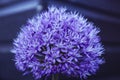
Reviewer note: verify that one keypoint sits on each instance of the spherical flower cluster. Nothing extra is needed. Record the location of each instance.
(58, 41)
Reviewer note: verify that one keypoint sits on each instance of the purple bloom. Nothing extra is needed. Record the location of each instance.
(57, 41)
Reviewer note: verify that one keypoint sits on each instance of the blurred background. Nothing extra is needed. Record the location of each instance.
(105, 14)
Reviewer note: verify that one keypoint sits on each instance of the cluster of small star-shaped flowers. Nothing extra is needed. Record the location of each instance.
(57, 41)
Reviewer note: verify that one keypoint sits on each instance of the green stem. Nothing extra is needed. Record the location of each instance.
(55, 77)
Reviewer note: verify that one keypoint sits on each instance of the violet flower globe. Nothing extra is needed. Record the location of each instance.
(58, 41)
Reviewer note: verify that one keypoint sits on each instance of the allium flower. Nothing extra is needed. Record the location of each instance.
(58, 41)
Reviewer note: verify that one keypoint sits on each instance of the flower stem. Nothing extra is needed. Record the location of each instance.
(55, 77)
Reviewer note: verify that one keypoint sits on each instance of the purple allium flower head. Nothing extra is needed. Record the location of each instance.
(57, 41)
